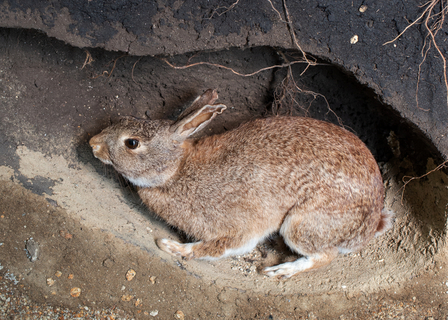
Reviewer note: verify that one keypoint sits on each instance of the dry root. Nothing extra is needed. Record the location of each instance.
(219, 11)
(189, 65)
(286, 93)
(433, 18)
(88, 60)
(407, 179)
(108, 73)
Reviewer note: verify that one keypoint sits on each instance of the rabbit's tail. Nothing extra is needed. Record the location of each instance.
(387, 219)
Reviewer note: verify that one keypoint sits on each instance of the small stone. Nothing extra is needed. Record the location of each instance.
(354, 39)
(152, 279)
(50, 282)
(363, 8)
(130, 274)
(154, 313)
(179, 315)
(58, 274)
(138, 302)
(70, 276)
(127, 297)
(75, 292)
(32, 249)
(65, 234)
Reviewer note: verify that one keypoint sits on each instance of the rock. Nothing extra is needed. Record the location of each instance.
(32, 249)
(130, 274)
(65, 234)
(127, 297)
(75, 292)
(50, 282)
(138, 302)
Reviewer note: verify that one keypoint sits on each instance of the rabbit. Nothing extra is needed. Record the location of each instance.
(314, 182)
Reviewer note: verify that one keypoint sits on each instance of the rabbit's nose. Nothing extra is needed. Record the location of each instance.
(95, 147)
(95, 143)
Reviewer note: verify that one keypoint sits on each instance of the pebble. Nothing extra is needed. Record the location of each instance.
(65, 234)
(152, 279)
(127, 297)
(179, 315)
(154, 313)
(354, 39)
(363, 8)
(32, 249)
(130, 274)
(58, 274)
(50, 282)
(75, 292)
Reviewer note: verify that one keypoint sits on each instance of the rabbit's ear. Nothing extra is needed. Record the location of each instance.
(197, 120)
(208, 97)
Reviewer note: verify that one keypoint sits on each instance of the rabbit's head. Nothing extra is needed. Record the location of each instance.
(148, 152)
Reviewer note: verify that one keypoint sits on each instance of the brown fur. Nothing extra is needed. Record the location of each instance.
(314, 181)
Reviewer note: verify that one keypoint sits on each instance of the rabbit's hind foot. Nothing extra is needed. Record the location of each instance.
(314, 261)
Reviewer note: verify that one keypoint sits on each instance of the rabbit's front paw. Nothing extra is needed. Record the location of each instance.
(175, 248)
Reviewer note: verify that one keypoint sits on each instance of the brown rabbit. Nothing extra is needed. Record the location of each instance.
(313, 181)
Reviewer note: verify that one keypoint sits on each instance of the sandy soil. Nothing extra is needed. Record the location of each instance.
(91, 228)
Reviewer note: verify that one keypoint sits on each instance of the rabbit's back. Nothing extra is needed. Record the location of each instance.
(284, 154)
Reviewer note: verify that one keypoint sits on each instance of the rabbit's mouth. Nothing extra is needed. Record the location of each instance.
(105, 161)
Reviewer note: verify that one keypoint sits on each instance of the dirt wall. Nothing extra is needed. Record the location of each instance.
(324, 29)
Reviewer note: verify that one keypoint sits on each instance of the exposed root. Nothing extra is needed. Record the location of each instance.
(408, 179)
(88, 60)
(226, 9)
(285, 94)
(230, 69)
(133, 67)
(109, 73)
(433, 22)
(294, 38)
(278, 12)
(289, 88)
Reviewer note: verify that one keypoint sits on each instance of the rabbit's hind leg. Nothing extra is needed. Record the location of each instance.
(304, 233)
(213, 249)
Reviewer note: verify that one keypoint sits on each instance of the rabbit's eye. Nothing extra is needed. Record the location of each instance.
(131, 143)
